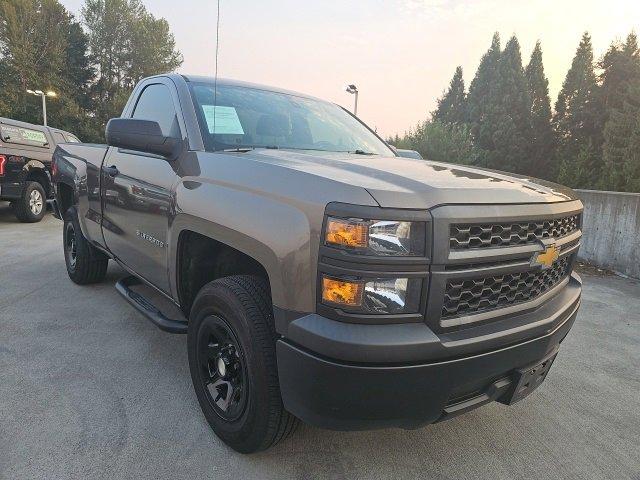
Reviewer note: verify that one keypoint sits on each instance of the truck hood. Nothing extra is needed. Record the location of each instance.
(397, 182)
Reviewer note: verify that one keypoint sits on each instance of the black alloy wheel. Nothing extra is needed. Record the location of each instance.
(70, 245)
(223, 369)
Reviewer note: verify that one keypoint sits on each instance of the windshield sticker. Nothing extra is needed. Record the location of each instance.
(222, 120)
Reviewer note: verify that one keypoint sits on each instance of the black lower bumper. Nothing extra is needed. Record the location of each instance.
(356, 396)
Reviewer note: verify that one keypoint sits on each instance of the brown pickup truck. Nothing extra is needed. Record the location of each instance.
(321, 277)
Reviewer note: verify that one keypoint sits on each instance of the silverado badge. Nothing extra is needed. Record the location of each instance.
(545, 259)
(150, 239)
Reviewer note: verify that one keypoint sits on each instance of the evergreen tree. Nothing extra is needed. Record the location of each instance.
(513, 129)
(622, 143)
(510, 125)
(619, 66)
(543, 142)
(452, 106)
(632, 163)
(483, 103)
(80, 72)
(620, 79)
(499, 109)
(578, 121)
(577, 171)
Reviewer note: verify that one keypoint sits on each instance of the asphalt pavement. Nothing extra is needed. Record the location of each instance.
(90, 389)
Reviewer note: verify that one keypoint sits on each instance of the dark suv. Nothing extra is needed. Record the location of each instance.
(25, 159)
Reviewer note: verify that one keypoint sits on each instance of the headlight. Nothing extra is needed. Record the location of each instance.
(372, 296)
(376, 237)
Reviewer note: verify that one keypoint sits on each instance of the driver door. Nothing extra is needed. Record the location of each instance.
(137, 191)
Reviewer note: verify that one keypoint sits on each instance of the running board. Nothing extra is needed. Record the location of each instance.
(145, 307)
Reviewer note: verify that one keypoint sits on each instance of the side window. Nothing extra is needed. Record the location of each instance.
(23, 136)
(72, 138)
(155, 103)
(58, 137)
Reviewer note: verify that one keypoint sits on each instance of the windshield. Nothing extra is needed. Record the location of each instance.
(252, 118)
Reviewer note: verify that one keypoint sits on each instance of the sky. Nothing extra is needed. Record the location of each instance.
(401, 54)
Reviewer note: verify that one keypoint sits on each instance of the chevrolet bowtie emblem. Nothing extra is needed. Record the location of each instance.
(545, 259)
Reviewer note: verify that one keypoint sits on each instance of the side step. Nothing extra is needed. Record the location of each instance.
(145, 307)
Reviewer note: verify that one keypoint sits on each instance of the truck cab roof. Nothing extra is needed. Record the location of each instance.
(240, 83)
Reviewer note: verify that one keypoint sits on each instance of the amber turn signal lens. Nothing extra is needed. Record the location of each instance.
(346, 233)
(342, 292)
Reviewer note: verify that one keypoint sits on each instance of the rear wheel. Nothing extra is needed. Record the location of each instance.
(32, 205)
(85, 263)
(232, 359)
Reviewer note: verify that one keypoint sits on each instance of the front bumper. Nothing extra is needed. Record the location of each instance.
(379, 381)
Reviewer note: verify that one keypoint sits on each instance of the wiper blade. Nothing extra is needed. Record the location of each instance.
(248, 148)
(361, 152)
(237, 150)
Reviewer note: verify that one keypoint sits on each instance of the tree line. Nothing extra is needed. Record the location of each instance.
(504, 121)
(92, 63)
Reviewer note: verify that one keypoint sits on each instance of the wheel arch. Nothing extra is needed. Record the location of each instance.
(198, 256)
(70, 179)
(35, 171)
(65, 197)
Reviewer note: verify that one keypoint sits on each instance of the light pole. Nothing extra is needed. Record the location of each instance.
(353, 90)
(40, 93)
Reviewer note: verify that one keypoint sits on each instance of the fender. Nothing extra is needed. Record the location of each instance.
(36, 165)
(274, 233)
(271, 214)
(72, 171)
(31, 164)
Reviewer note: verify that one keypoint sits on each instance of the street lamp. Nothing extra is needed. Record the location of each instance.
(40, 93)
(353, 90)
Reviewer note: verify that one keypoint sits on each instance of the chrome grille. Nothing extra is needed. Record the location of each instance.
(486, 235)
(469, 296)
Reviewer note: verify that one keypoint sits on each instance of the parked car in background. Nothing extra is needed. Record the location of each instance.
(401, 152)
(321, 277)
(25, 160)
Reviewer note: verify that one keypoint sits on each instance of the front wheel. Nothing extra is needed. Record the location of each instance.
(85, 263)
(232, 359)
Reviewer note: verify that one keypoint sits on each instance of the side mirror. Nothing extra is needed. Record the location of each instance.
(142, 136)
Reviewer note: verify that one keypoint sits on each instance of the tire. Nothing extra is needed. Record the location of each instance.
(31, 207)
(85, 263)
(231, 322)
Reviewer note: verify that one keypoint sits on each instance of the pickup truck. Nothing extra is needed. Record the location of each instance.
(320, 276)
(25, 158)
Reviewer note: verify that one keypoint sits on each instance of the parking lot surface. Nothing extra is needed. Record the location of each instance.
(90, 389)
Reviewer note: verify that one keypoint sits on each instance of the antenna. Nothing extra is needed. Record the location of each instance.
(215, 78)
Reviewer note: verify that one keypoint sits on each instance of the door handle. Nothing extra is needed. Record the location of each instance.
(112, 171)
